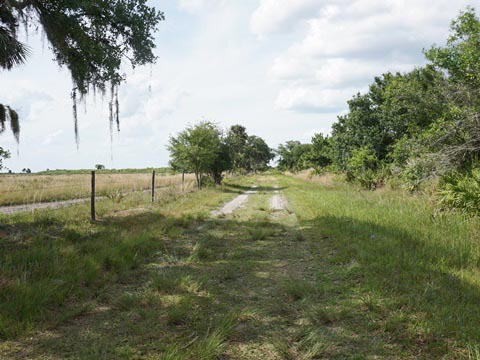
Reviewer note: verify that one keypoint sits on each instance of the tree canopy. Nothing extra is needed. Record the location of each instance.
(411, 126)
(205, 149)
(90, 38)
(199, 149)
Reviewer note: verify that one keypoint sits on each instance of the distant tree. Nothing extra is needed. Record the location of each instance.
(26, 171)
(236, 141)
(200, 149)
(257, 154)
(90, 38)
(321, 153)
(3, 155)
(292, 155)
(99, 167)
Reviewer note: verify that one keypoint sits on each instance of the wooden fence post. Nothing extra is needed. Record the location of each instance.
(183, 181)
(92, 200)
(153, 186)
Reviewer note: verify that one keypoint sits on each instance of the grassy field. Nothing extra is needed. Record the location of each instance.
(340, 273)
(28, 189)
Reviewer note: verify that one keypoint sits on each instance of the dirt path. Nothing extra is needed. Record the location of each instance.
(8, 210)
(234, 205)
(278, 203)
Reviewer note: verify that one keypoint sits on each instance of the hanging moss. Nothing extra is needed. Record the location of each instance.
(117, 109)
(14, 124)
(75, 116)
(3, 118)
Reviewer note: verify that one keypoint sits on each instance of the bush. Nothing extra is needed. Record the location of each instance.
(362, 168)
(461, 191)
(416, 172)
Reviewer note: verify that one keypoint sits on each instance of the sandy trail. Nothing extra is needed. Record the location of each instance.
(278, 203)
(235, 204)
(7, 210)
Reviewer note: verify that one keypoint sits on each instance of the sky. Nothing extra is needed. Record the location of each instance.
(284, 69)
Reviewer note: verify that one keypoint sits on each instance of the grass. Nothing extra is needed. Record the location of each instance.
(342, 274)
(28, 189)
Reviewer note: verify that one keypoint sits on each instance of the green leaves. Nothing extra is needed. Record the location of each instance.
(460, 57)
(90, 38)
(199, 149)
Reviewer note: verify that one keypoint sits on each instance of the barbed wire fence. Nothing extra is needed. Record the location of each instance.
(87, 187)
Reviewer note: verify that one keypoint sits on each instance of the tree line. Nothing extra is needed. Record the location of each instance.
(411, 127)
(208, 151)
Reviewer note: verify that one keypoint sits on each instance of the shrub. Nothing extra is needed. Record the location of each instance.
(461, 191)
(362, 168)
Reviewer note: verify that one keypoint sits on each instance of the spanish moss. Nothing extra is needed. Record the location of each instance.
(117, 109)
(3, 118)
(14, 124)
(75, 117)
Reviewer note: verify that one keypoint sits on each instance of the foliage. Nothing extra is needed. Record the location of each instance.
(248, 153)
(292, 155)
(200, 149)
(460, 55)
(100, 167)
(257, 154)
(236, 141)
(362, 167)
(4, 154)
(461, 191)
(90, 38)
(295, 156)
(418, 125)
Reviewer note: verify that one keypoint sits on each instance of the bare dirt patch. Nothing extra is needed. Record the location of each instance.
(278, 203)
(7, 210)
(231, 206)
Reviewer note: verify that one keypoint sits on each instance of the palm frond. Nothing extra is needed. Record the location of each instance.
(12, 51)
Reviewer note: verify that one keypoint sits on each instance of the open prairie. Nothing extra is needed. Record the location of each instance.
(31, 188)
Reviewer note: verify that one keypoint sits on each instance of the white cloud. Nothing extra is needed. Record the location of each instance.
(313, 99)
(281, 15)
(198, 5)
(346, 43)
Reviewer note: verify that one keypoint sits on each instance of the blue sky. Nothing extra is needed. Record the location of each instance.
(282, 68)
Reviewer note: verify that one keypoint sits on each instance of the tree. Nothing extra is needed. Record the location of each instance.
(100, 167)
(292, 154)
(200, 149)
(236, 141)
(321, 154)
(3, 155)
(257, 154)
(458, 136)
(460, 56)
(90, 38)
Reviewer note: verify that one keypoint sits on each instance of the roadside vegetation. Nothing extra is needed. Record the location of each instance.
(410, 129)
(338, 273)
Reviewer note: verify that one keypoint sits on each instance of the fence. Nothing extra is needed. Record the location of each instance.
(32, 190)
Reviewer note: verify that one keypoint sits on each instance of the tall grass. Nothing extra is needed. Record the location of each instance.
(26, 189)
(402, 259)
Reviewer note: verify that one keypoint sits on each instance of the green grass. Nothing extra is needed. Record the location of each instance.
(342, 274)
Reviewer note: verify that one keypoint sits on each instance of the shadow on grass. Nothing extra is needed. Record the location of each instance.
(195, 279)
(413, 276)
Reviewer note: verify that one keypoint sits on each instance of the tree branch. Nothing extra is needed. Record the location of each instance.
(17, 4)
